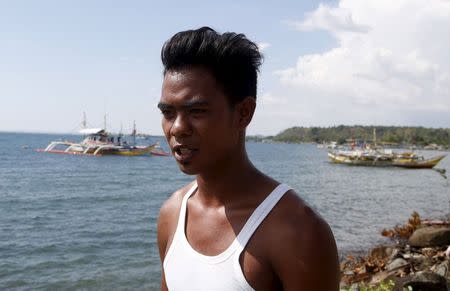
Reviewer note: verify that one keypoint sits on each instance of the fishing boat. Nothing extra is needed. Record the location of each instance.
(376, 156)
(381, 158)
(418, 162)
(361, 158)
(130, 150)
(98, 142)
(158, 151)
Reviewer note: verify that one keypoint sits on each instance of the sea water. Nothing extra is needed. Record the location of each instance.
(84, 222)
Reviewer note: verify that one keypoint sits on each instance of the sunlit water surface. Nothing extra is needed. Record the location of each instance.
(80, 222)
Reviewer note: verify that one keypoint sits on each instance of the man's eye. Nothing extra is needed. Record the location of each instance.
(168, 114)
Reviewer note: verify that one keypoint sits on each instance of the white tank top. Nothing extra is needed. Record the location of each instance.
(187, 269)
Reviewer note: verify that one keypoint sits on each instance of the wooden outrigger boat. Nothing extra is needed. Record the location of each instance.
(125, 150)
(379, 157)
(418, 163)
(98, 142)
(383, 159)
(360, 158)
(108, 150)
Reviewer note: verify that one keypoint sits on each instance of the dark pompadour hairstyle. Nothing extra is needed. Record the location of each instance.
(232, 59)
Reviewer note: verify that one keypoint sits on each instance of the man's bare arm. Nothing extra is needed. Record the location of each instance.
(167, 224)
(163, 228)
(306, 258)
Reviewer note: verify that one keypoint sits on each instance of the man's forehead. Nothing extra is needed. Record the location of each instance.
(183, 85)
(176, 75)
(190, 86)
(191, 74)
(182, 94)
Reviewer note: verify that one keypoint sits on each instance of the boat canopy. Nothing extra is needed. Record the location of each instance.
(92, 131)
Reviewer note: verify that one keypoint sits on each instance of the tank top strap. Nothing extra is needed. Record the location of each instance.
(259, 214)
(182, 216)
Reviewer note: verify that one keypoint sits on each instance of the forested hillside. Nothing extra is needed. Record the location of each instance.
(403, 135)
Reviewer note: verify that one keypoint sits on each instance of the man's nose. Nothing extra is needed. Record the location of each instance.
(181, 126)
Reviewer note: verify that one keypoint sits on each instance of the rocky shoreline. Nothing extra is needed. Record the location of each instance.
(418, 259)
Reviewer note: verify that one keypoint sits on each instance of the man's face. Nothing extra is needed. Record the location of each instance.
(199, 125)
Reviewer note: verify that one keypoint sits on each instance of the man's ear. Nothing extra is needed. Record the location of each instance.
(245, 110)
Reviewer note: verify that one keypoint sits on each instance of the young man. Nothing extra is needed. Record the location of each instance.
(233, 228)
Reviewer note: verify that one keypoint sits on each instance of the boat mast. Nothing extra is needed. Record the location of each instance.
(133, 133)
(353, 144)
(83, 123)
(104, 122)
(375, 137)
(119, 137)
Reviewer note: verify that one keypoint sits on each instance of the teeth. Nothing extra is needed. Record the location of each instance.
(185, 151)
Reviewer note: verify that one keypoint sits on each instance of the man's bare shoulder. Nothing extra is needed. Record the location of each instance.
(171, 207)
(302, 246)
(295, 220)
(297, 216)
(168, 218)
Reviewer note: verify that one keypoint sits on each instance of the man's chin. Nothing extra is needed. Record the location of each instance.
(188, 169)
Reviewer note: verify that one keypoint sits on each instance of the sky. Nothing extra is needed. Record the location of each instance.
(326, 63)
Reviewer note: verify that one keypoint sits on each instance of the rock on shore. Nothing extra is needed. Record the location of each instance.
(430, 236)
(418, 261)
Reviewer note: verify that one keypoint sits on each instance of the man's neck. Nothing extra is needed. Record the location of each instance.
(226, 186)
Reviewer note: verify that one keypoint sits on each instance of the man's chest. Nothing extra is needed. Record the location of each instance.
(212, 233)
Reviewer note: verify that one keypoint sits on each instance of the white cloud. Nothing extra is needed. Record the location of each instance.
(329, 18)
(263, 46)
(391, 64)
(269, 99)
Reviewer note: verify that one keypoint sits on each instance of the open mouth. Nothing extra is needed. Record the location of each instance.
(183, 154)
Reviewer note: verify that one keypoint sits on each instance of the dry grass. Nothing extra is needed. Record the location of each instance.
(403, 231)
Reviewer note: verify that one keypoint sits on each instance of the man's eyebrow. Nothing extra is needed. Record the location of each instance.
(185, 105)
(194, 103)
(163, 106)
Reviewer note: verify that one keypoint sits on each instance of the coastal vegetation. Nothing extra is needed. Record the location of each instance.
(419, 136)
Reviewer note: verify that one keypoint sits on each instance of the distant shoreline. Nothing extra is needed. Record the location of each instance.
(389, 136)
